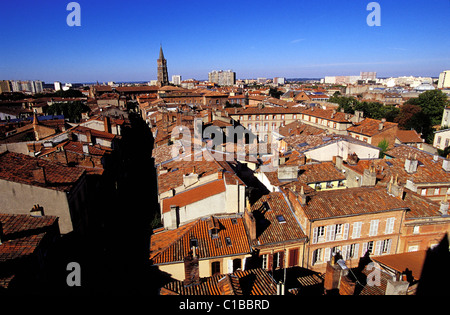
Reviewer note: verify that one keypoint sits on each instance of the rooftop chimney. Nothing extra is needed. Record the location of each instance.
(411, 164)
(338, 162)
(394, 188)
(250, 223)
(107, 123)
(395, 287)
(288, 172)
(85, 148)
(446, 165)
(369, 178)
(302, 196)
(191, 269)
(39, 175)
(37, 211)
(444, 206)
(89, 136)
(173, 217)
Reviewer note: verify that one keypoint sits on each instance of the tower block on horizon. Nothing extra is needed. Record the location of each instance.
(163, 77)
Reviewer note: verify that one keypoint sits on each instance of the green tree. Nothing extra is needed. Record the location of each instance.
(71, 110)
(274, 92)
(383, 145)
(432, 104)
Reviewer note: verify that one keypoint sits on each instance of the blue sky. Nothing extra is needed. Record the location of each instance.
(119, 40)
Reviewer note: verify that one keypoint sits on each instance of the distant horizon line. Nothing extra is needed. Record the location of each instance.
(206, 80)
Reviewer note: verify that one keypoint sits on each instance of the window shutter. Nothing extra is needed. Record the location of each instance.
(356, 229)
(345, 232)
(345, 250)
(356, 252)
(388, 250)
(330, 233)
(281, 259)
(327, 254)
(269, 262)
(315, 236)
(390, 225)
(364, 249)
(230, 266)
(378, 247)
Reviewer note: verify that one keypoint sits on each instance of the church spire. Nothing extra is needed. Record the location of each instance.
(163, 77)
(161, 54)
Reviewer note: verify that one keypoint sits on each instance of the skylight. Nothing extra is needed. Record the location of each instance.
(281, 219)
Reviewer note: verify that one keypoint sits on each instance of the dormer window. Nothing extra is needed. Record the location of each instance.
(193, 242)
(213, 227)
(281, 219)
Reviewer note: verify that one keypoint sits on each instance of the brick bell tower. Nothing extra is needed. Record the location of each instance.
(163, 78)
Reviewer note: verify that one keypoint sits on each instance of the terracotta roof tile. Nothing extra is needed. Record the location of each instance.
(349, 202)
(275, 221)
(173, 246)
(409, 136)
(193, 195)
(370, 127)
(20, 168)
(241, 282)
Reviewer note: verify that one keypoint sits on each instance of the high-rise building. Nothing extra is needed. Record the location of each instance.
(5, 86)
(176, 79)
(27, 86)
(279, 81)
(163, 77)
(57, 85)
(444, 80)
(222, 78)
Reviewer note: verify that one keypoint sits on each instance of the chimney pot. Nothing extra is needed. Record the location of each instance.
(39, 175)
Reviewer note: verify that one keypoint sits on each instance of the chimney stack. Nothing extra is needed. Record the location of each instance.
(444, 206)
(37, 211)
(446, 165)
(107, 123)
(395, 287)
(250, 223)
(302, 196)
(39, 175)
(411, 164)
(85, 148)
(89, 137)
(369, 178)
(191, 269)
(173, 217)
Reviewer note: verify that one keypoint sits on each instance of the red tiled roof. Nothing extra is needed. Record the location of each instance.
(400, 262)
(350, 201)
(174, 246)
(95, 133)
(328, 114)
(428, 172)
(19, 168)
(22, 234)
(242, 282)
(267, 209)
(370, 127)
(321, 172)
(409, 136)
(193, 195)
